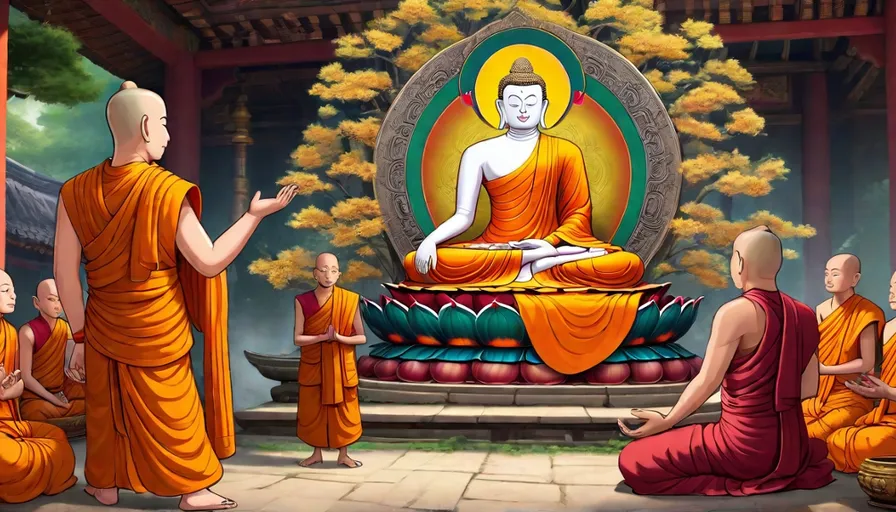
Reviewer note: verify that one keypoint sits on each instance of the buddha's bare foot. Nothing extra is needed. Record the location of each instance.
(525, 273)
(205, 500)
(349, 462)
(108, 496)
(570, 249)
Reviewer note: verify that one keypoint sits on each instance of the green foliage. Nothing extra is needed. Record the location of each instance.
(455, 444)
(44, 62)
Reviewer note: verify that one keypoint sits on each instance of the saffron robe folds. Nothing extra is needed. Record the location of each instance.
(48, 368)
(760, 444)
(145, 420)
(329, 414)
(35, 458)
(548, 198)
(872, 435)
(836, 406)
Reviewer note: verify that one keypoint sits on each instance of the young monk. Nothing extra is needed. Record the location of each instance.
(874, 434)
(328, 326)
(850, 327)
(51, 391)
(762, 352)
(35, 458)
(152, 275)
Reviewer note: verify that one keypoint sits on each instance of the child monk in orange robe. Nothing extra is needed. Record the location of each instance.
(328, 326)
(850, 327)
(35, 458)
(51, 390)
(874, 434)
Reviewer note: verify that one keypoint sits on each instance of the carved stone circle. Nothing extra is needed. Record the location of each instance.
(601, 63)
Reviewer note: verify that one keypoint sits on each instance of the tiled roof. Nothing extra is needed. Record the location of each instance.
(30, 206)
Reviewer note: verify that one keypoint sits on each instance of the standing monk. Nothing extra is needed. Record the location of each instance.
(762, 352)
(328, 326)
(151, 271)
(850, 327)
(51, 390)
(874, 434)
(35, 458)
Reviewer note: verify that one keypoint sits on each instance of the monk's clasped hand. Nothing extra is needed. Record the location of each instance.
(871, 387)
(654, 423)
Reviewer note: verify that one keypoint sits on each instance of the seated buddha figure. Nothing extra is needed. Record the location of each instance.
(539, 234)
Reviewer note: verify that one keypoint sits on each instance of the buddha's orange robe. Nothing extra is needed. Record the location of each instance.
(47, 367)
(874, 434)
(836, 406)
(146, 428)
(548, 198)
(35, 458)
(329, 413)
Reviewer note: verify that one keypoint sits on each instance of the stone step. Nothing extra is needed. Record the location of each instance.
(573, 423)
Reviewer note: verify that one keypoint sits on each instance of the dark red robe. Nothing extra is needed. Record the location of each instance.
(760, 444)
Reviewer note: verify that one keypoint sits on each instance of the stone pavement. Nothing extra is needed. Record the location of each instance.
(463, 481)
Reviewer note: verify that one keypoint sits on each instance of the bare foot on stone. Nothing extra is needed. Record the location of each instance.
(310, 461)
(106, 497)
(205, 500)
(348, 462)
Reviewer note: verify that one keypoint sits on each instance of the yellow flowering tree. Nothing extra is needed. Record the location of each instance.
(335, 160)
(703, 92)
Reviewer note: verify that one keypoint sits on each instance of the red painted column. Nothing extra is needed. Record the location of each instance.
(890, 73)
(816, 177)
(183, 86)
(4, 66)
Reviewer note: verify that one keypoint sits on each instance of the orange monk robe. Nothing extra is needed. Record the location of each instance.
(145, 420)
(836, 406)
(35, 458)
(548, 198)
(329, 413)
(874, 434)
(47, 367)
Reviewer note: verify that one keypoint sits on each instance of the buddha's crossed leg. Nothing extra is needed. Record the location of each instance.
(541, 259)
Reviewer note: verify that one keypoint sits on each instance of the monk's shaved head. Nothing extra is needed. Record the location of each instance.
(137, 119)
(760, 253)
(326, 269)
(847, 263)
(46, 299)
(326, 259)
(46, 288)
(842, 273)
(7, 294)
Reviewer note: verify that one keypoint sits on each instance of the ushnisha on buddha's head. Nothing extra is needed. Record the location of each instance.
(756, 258)
(7, 294)
(138, 121)
(843, 272)
(522, 97)
(326, 270)
(46, 299)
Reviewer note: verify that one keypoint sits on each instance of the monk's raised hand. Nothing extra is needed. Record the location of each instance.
(76, 363)
(871, 387)
(654, 423)
(263, 207)
(331, 333)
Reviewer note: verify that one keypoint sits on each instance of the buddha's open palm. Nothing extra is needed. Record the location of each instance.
(426, 258)
(264, 207)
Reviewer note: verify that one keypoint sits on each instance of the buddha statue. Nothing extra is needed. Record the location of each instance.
(539, 234)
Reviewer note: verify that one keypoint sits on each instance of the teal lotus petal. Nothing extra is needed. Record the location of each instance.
(687, 317)
(532, 357)
(663, 352)
(617, 357)
(667, 323)
(502, 355)
(425, 323)
(457, 321)
(423, 353)
(645, 322)
(460, 354)
(389, 350)
(681, 351)
(375, 319)
(397, 315)
(500, 323)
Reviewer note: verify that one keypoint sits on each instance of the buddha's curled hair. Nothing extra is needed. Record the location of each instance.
(522, 74)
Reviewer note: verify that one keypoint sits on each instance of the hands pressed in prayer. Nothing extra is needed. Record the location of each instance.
(654, 423)
(264, 207)
(872, 387)
(331, 333)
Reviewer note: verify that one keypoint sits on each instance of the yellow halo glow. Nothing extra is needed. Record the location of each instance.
(544, 63)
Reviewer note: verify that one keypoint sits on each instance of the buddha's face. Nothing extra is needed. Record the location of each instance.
(522, 107)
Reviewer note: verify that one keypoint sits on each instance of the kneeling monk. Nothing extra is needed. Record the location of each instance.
(328, 326)
(874, 434)
(35, 458)
(762, 352)
(51, 391)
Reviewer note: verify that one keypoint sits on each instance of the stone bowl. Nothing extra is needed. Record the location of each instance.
(279, 367)
(877, 478)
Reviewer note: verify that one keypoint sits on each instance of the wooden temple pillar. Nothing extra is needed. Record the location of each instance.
(241, 141)
(183, 86)
(890, 75)
(816, 181)
(4, 67)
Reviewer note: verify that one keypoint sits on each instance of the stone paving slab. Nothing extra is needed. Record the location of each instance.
(405, 481)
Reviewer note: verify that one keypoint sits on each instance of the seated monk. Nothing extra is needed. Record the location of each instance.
(874, 434)
(51, 390)
(539, 234)
(35, 458)
(762, 352)
(850, 328)
(328, 326)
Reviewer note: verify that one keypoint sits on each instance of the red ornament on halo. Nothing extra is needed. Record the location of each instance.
(578, 97)
(467, 98)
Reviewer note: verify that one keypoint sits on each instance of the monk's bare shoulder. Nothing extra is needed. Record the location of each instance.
(889, 330)
(739, 316)
(823, 310)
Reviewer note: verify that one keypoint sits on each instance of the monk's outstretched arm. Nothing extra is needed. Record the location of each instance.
(67, 269)
(865, 361)
(301, 339)
(809, 382)
(26, 354)
(733, 320)
(210, 259)
(359, 338)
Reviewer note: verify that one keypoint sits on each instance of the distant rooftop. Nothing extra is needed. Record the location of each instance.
(30, 207)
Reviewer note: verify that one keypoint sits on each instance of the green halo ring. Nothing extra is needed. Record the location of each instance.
(530, 36)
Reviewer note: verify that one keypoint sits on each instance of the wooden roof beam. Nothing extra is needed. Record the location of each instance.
(808, 29)
(267, 55)
(149, 27)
